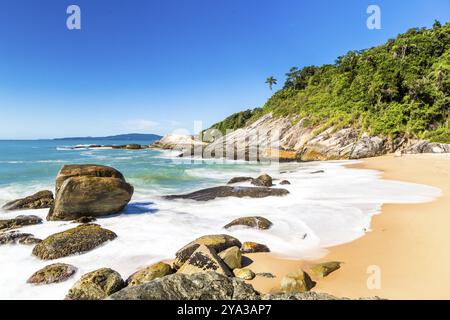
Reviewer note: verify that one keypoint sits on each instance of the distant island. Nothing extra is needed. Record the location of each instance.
(121, 137)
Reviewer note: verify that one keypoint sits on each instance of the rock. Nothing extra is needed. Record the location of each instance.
(19, 221)
(322, 270)
(199, 286)
(15, 237)
(73, 241)
(40, 200)
(240, 179)
(301, 296)
(204, 259)
(149, 273)
(318, 171)
(84, 220)
(53, 273)
(284, 183)
(232, 257)
(90, 196)
(245, 274)
(133, 146)
(297, 282)
(179, 142)
(263, 181)
(253, 247)
(85, 170)
(265, 275)
(96, 285)
(226, 191)
(368, 147)
(422, 146)
(253, 222)
(219, 243)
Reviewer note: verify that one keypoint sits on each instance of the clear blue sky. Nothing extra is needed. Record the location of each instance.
(156, 65)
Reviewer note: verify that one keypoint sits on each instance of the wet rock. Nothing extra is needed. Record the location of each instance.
(89, 190)
(240, 180)
(15, 237)
(84, 220)
(73, 241)
(96, 285)
(253, 222)
(245, 274)
(19, 221)
(253, 247)
(218, 243)
(53, 273)
(227, 191)
(133, 146)
(284, 183)
(199, 286)
(322, 270)
(40, 200)
(297, 282)
(263, 181)
(232, 257)
(317, 172)
(149, 273)
(204, 259)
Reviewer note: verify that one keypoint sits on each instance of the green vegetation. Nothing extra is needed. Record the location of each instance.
(235, 121)
(401, 88)
(271, 81)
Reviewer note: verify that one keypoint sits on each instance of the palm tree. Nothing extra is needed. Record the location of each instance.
(271, 81)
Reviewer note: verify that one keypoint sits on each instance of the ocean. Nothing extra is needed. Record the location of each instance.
(322, 210)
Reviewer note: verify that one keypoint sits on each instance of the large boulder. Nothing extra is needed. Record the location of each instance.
(263, 181)
(19, 221)
(73, 241)
(216, 242)
(15, 237)
(150, 273)
(252, 222)
(89, 190)
(228, 191)
(232, 257)
(199, 286)
(297, 282)
(254, 247)
(41, 200)
(53, 273)
(96, 285)
(204, 259)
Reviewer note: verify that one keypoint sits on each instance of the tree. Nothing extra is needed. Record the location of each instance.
(271, 81)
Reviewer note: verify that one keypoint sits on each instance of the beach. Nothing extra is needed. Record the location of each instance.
(408, 243)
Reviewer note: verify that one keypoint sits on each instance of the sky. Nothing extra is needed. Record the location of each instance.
(156, 66)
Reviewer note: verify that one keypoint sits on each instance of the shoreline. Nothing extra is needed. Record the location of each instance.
(408, 242)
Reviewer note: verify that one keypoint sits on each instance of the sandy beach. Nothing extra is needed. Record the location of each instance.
(408, 244)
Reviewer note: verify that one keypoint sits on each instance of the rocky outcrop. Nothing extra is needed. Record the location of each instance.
(73, 241)
(421, 146)
(199, 286)
(40, 200)
(252, 222)
(19, 221)
(96, 285)
(227, 191)
(89, 190)
(53, 273)
(179, 142)
(263, 180)
(218, 243)
(244, 274)
(321, 270)
(297, 282)
(204, 259)
(232, 257)
(253, 247)
(240, 180)
(150, 273)
(15, 237)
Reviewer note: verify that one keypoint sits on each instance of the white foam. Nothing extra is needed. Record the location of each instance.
(329, 208)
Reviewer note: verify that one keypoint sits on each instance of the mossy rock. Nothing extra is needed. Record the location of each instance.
(232, 257)
(73, 241)
(152, 272)
(96, 285)
(253, 247)
(41, 200)
(53, 273)
(216, 242)
(244, 274)
(322, 270)
(263, 181)
(297, 282)
(204, 259)
(252, 222)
